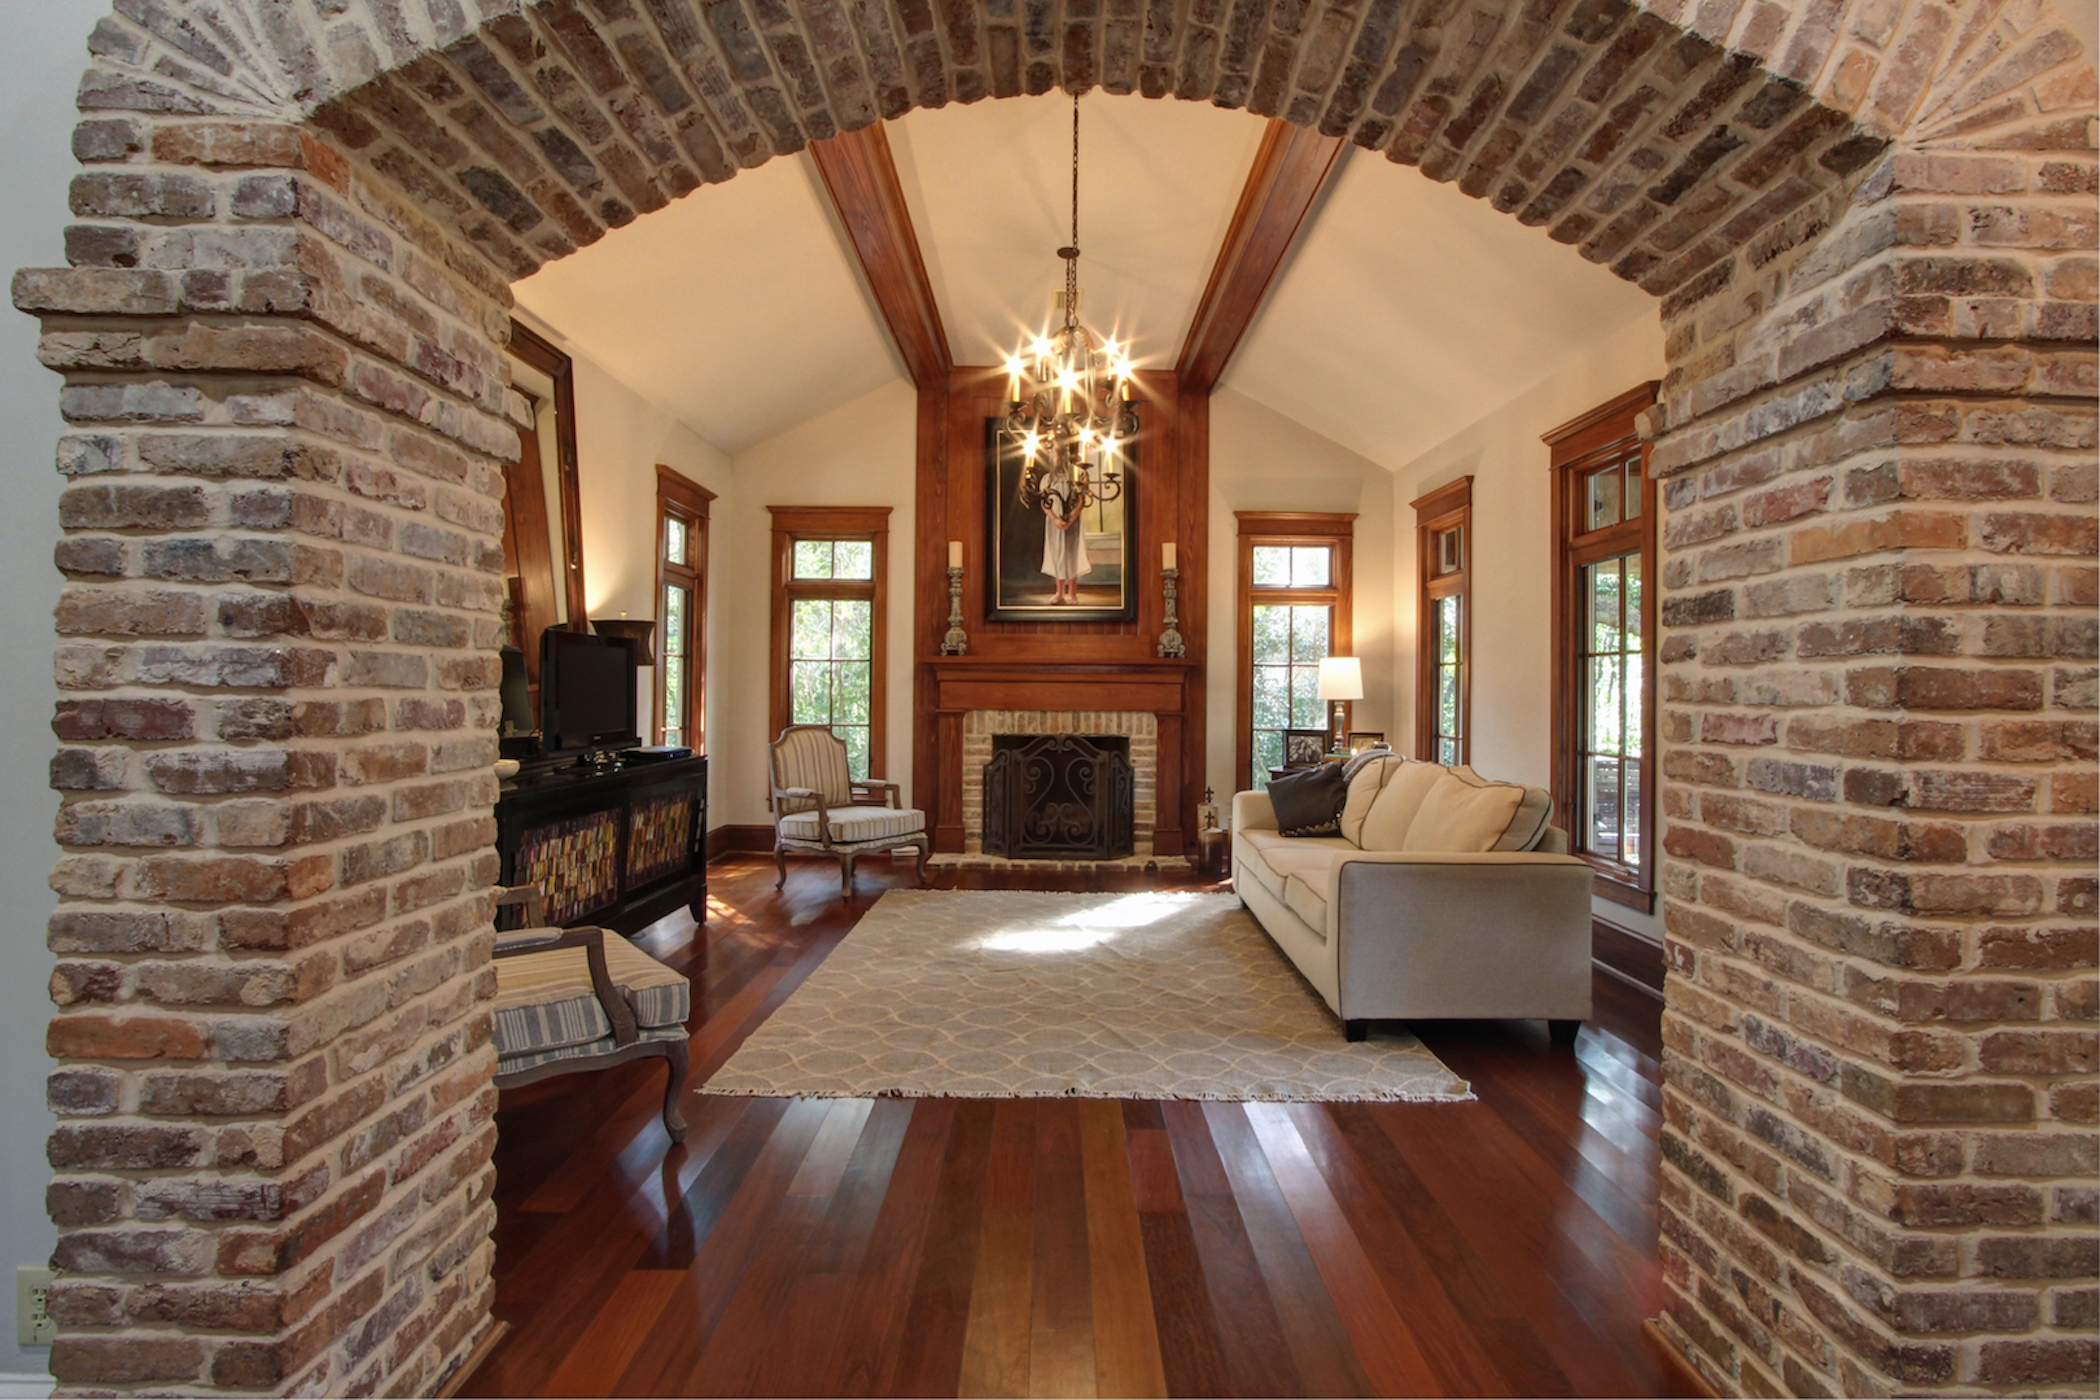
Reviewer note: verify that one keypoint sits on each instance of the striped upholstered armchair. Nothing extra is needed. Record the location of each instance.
(571, 999)
(820, 809)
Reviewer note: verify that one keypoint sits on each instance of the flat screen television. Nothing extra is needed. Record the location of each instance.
(587, 691)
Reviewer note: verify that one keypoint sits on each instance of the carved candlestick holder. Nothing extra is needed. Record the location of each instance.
(1170, 643)
(956, 643)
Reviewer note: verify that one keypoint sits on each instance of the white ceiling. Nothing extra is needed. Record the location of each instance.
(734, 309)
(1408, 312)
(989, 187)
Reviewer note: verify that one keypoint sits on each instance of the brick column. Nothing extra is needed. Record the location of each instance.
(281, 545)
(1878, 695)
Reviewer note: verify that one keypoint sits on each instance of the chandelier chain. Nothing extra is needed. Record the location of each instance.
(1072, 263)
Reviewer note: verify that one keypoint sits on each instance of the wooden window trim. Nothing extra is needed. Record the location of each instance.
(1287, 528)
(1576, 445)
(871, 523)
(680, 497)
(1448, 507)
(549, 359)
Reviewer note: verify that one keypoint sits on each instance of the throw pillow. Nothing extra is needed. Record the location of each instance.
(1457, 815)
(1393, 811)
(1367, 777)
(1310, 803)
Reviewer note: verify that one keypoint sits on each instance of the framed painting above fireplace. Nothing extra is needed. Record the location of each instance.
(1021, 554)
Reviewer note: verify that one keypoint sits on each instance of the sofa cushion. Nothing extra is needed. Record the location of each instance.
(1311, 862)
(1253, 864)
(1269, 842)
(1528, 826)
(1369, 780)
(1308, 900)
(1385, 825)
(1463, 812)
(1309, 803)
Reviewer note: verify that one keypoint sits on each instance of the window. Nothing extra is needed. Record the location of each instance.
(681, 588)
(1603, 625)
(1293, 610)
(829, 605)
(1444, 629)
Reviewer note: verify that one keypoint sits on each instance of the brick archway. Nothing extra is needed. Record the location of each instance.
(1871, 232)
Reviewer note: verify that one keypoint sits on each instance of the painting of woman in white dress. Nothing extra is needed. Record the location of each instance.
(1061, 558)
(1064, 536)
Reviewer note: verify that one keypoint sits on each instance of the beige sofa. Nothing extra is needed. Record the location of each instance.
(1444, 895)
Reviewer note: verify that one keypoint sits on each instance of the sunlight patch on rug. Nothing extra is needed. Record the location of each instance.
(1029, 994)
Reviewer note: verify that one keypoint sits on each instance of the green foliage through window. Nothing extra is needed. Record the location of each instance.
(830, 669)
(1611, 758)
(1289, 639)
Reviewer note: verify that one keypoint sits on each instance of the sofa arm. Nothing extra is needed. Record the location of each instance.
(1433, 934)
(1252, 811)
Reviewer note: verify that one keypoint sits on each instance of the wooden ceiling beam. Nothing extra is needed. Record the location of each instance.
(862, 179)
(1291, 168)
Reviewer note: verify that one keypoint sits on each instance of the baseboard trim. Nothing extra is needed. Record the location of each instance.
(1684, 1376)
(1633, 958)
(25, 1385)
(726, 839)
(468, 1367)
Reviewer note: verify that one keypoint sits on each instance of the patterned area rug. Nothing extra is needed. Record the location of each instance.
(998, 994)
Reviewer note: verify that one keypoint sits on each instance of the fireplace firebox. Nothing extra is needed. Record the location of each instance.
(1059, 797)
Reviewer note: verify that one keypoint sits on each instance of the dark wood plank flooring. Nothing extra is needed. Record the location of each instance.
(1072, 1247)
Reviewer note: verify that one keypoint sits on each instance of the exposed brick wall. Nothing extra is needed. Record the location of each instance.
(1871, 228)
(281, 525)
(1878, 723)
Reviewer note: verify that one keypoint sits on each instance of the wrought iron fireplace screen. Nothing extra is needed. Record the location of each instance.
(1059, 797)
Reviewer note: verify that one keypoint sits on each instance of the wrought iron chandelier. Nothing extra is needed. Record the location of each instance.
(1068, 397)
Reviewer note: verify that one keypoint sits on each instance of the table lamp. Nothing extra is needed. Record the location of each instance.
(1341, 680)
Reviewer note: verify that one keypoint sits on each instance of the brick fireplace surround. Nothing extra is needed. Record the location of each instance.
(1870, 229)
(1142, 729)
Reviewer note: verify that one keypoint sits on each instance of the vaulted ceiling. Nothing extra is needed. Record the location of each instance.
(1404, 312)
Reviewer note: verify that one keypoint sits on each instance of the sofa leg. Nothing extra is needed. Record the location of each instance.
(1356, 1030)
(1563, 1032)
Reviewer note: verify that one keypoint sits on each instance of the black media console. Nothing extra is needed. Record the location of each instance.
(616, 847)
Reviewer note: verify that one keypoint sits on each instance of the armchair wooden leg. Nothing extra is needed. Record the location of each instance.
(846, 876)
(677, 1063)
(921, 850)
(780, 859)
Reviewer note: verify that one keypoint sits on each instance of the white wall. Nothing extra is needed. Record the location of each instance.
(620, 440)
(46, 53)
(863, 453)
(1261, 460)
(1513, 557)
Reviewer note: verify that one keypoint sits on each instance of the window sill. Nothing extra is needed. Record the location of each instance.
(1619, 885)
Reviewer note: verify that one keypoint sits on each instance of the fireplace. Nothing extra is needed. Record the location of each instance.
(1134, 732)
(1059, 797)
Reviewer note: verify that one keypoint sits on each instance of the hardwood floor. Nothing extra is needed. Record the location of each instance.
(1072, 1247)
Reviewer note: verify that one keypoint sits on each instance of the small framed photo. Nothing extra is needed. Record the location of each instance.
(1361, 740)
(1304, 748)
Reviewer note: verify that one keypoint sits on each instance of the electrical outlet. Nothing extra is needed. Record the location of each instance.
(33, 1324)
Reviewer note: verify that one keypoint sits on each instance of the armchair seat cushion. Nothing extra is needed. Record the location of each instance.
(853, 824)
(604, 1045)
(544, 1001)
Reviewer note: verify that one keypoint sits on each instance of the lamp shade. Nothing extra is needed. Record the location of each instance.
(1341, 678)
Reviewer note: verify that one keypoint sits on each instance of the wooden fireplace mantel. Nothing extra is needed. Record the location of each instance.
(1165, 689)
(962, 683)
